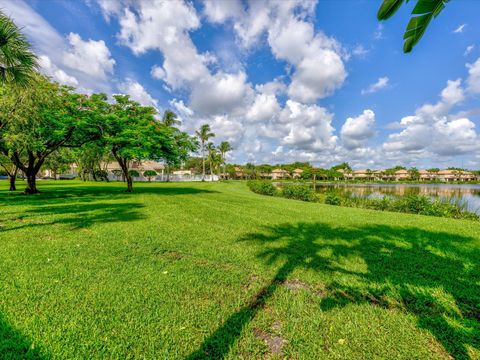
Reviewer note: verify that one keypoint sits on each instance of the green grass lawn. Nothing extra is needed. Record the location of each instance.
(211, 270)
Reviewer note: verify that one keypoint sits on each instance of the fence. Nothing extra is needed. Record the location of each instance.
(164, 178)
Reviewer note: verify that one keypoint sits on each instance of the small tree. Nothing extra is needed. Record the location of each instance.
(149, 174)
(10, 169)
(414, 173)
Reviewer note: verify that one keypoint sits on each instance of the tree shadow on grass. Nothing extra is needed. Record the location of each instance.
(93, 192)
(404, 265)
(15, 346)
(76, 215)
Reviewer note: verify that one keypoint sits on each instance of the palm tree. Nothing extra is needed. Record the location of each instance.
(213, 157)
(170, 119)
(17, 61)
(223, 148)
(204, 134)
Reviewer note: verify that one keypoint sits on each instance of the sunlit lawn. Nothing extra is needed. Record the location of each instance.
(211, 270)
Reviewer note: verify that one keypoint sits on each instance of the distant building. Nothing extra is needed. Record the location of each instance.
(402, 175)
(279, 174)
(297, 173)
(239, 173)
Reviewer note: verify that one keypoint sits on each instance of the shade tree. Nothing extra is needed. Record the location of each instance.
(40, 119)
(132, 133)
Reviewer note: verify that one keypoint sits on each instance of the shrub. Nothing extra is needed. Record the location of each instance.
(101, 175)
(333, 199)
(149, 174)
(298, 192)
(262, 187)
(413, 204)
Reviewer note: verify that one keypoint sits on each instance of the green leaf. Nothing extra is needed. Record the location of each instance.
(425, 6)
(388, 8)
(426, 9)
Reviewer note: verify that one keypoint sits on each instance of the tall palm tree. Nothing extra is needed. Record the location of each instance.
(170, 119)
(213, 157)
(204, 134)
(17, 61)
(224, 148)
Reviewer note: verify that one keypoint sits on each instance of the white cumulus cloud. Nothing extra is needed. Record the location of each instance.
(356, 131)
(380, 84)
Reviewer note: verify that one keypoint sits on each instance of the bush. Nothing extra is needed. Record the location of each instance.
(101, 175)
(262, 187)
(333, 199)
(298, 192)
(149, 174)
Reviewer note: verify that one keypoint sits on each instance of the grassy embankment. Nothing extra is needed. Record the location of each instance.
(214, 270)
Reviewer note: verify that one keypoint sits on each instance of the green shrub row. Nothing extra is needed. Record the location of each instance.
(298, 192)
(413, 204)
(289, 191)
(263, 187)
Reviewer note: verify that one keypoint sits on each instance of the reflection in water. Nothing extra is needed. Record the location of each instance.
(467, 194)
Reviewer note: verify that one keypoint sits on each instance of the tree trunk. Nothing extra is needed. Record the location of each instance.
(129, 183)
(12, 178)
(31, 183)
(203, 162)
(168, 173)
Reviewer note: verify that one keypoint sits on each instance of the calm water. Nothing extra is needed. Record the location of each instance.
(468, 194)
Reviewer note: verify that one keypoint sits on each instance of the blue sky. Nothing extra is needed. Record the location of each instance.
(322, 81)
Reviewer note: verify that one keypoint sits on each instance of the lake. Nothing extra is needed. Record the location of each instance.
(468, 194)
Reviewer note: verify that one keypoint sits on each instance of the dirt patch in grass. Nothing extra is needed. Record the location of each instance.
(274, 343)
(169, 254)
(296, 284)
(173, 255)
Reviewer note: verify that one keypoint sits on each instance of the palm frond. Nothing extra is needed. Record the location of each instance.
(17, 61)
(424, 11)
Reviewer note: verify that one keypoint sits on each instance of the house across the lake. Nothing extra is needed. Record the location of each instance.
(403, 175)
(297, 173)
(278, 174)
